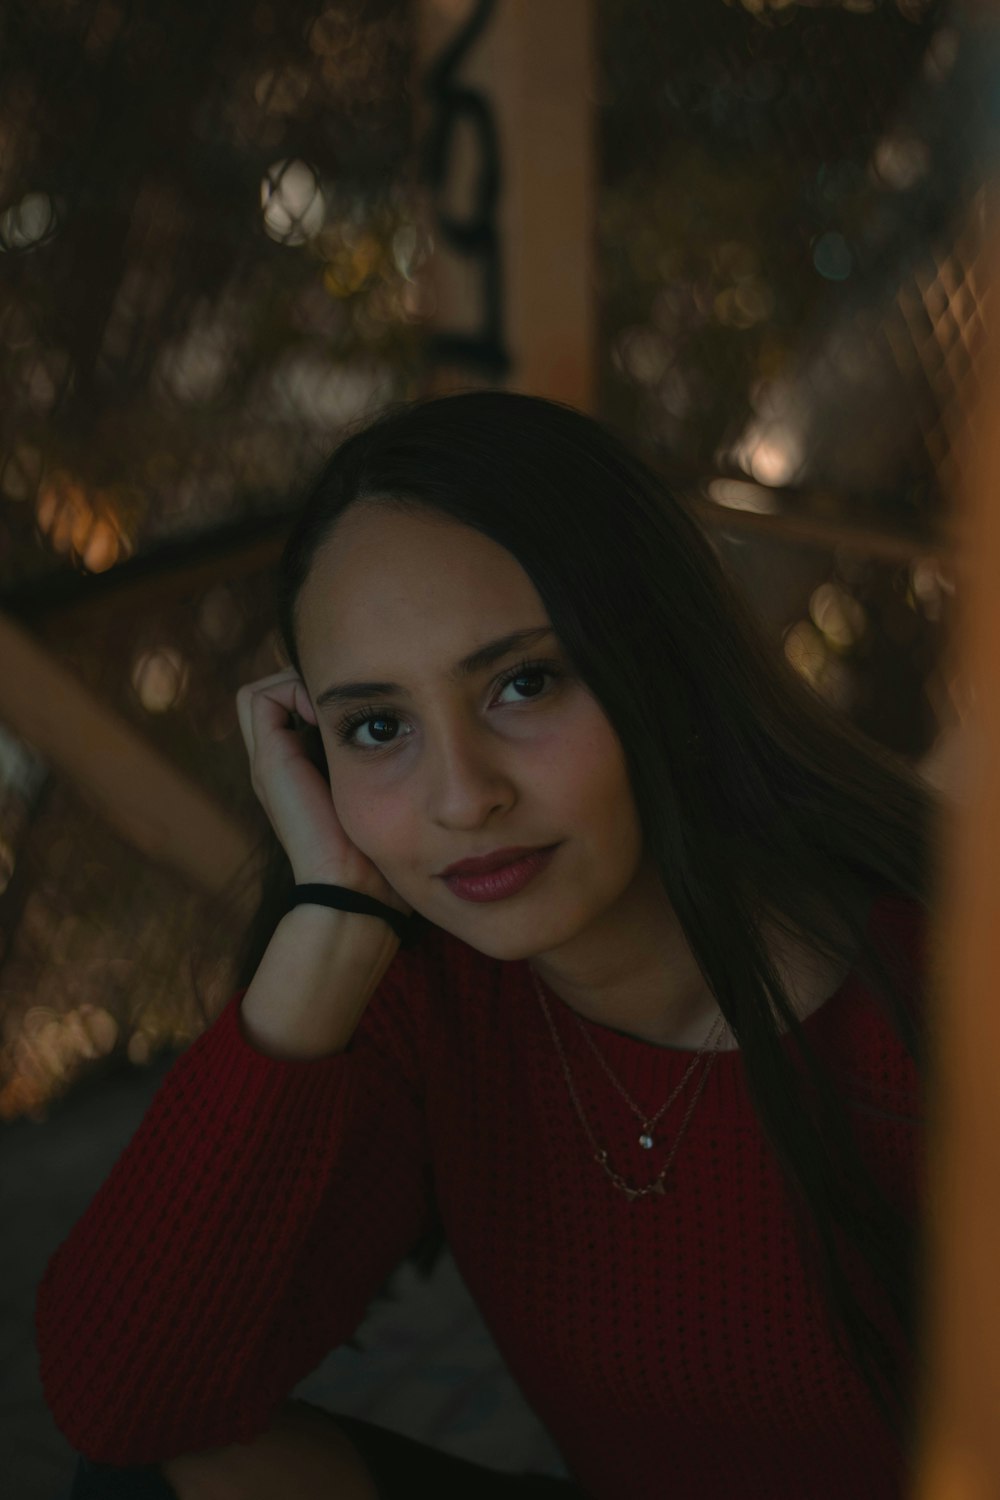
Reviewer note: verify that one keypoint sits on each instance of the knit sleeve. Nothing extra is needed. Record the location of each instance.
(239, 1237)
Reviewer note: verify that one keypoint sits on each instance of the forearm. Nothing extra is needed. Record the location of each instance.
(315, 979)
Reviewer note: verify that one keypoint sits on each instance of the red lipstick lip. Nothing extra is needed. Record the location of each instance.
(489, 862)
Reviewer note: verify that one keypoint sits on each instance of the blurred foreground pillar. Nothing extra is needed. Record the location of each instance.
(961, 1436)
(532, 66)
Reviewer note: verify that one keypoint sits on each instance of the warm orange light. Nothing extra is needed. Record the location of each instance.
(74, 521)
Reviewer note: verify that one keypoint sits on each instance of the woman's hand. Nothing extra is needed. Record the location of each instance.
(294, 792)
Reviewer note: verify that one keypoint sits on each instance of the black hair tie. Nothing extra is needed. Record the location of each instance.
(407, 929)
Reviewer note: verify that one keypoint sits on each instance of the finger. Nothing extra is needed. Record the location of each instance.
(299, 702)
(287, 674)
(303, 705)
(246, 714)
(245, 704)
(266, 705)
(273, 727)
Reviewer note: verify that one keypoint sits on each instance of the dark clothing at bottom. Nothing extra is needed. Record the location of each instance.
(400, 1467)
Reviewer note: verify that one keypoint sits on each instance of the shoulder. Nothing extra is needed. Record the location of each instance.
(884, 1014)
(901, 928)
(904, 916)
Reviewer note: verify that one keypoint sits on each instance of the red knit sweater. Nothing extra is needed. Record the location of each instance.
(673, 1346)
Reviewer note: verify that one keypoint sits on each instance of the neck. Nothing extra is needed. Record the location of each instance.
(632, 970)
(647, 984)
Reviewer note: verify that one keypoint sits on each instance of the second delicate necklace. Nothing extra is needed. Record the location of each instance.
(646, 1140)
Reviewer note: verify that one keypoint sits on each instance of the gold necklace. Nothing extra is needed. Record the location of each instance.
(646, 1140)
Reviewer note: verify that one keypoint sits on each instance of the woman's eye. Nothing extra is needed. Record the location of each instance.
(532, 675)
(378, 722)
(347, 731)
(375, 717)
(535, 671)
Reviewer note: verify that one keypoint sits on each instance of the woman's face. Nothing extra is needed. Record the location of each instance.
(445, 768)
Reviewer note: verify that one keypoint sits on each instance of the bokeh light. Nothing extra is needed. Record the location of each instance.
(160, 679)
(837, 615)
(739, 495)
(85, 526)
(29, 223)
(293, 202)
(832, 256)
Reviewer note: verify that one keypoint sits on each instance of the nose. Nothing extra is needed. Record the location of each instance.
(469, 779)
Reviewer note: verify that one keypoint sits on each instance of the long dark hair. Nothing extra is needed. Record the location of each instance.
(756, 799)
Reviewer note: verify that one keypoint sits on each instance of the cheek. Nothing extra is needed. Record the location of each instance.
(595, 774)
(603, 796)
(377, 825)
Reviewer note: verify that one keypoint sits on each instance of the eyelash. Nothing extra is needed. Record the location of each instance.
(347, 727)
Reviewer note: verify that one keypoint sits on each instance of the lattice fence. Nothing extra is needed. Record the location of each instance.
(211, 259)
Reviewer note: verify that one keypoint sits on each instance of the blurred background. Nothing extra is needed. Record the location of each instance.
(749, 234)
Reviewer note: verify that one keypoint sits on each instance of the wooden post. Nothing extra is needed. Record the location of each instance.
(142, 796)
(534, 63)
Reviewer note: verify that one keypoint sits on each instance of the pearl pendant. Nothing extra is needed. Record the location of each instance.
(646, 1142)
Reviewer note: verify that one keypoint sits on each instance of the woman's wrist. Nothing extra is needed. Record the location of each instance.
(344, 898)
(315, 979)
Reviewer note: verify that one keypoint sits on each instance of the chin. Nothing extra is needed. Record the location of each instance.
(483, 936)
(491, 946)
(511, 946)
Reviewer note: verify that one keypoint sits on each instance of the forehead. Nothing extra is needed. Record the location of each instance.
(389, 585)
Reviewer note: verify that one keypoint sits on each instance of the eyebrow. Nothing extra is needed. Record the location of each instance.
(478, 661)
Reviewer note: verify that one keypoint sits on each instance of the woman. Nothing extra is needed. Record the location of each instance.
(659, 1079)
